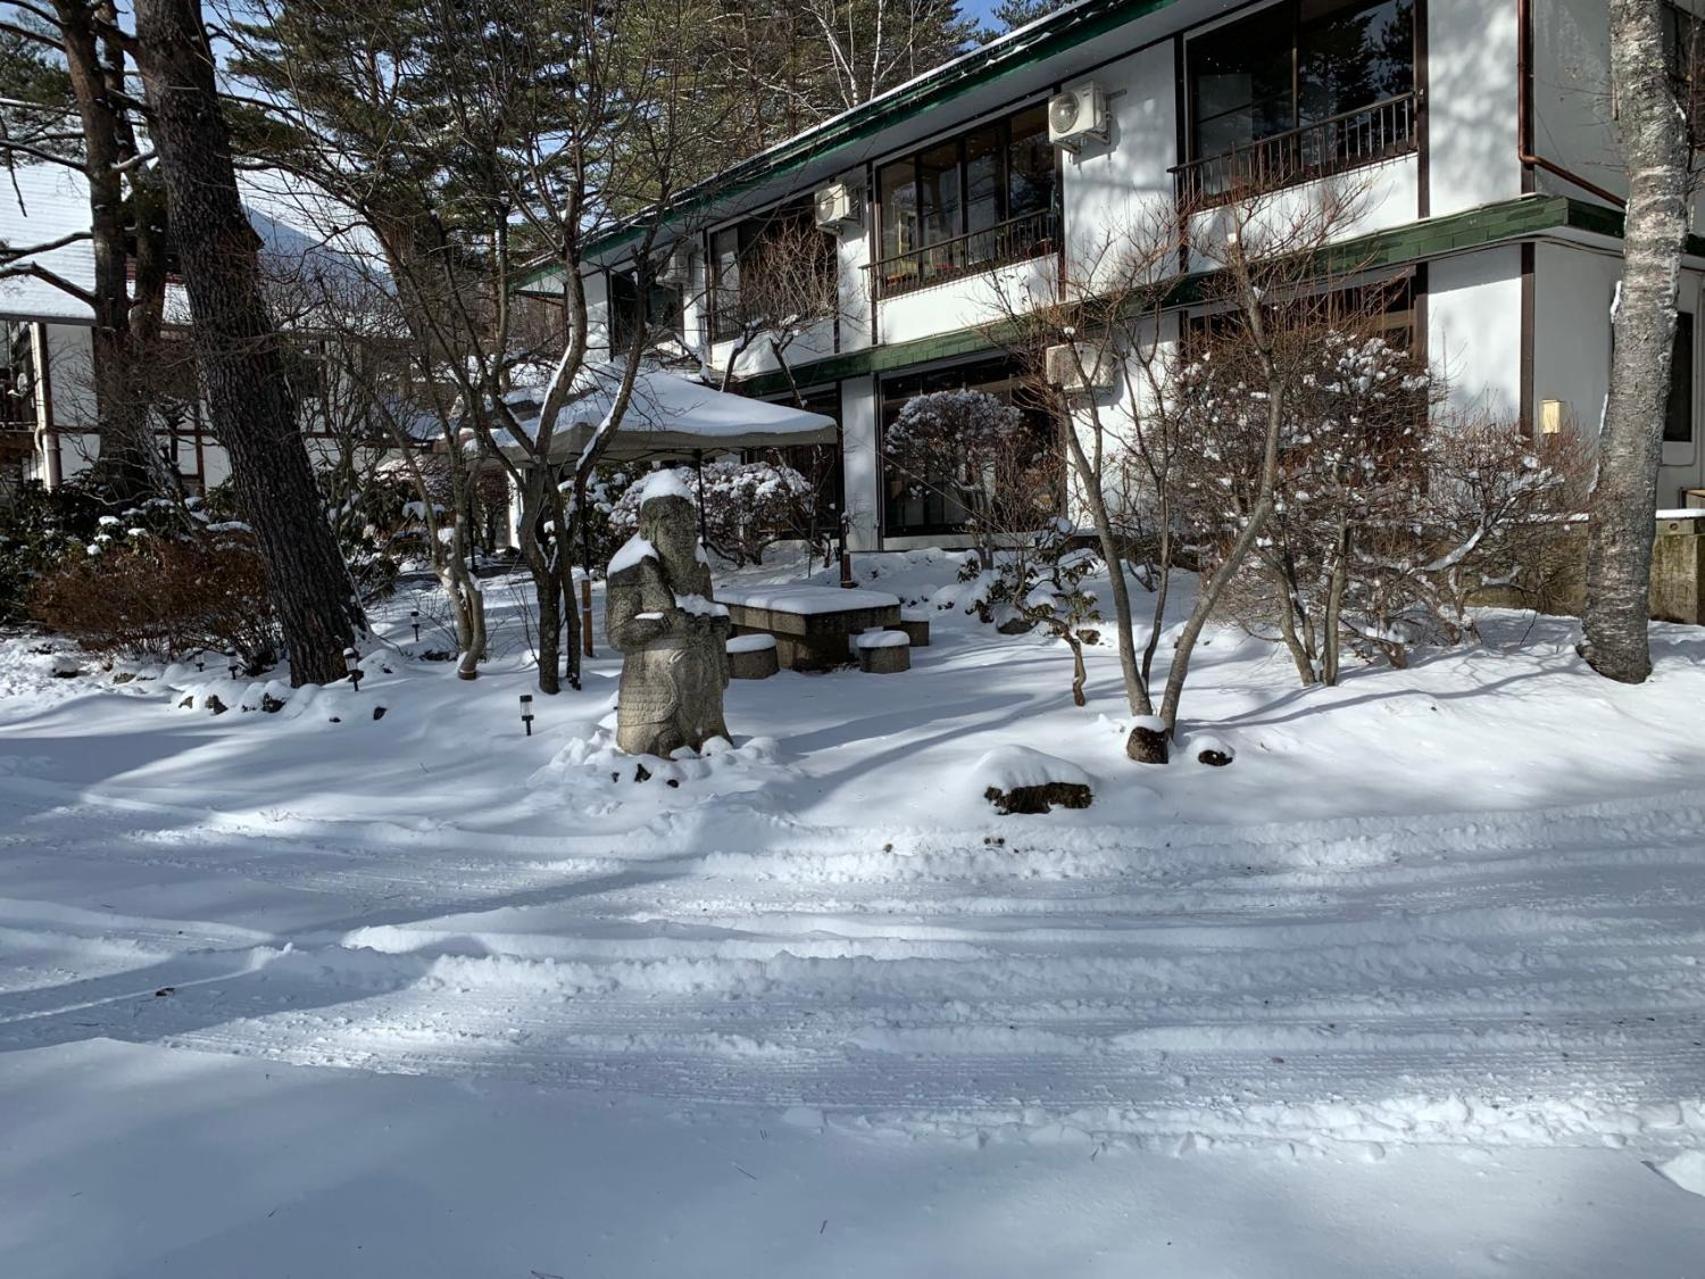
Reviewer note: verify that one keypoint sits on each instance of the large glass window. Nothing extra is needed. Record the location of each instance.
(1299, 88)
(967, 204)
(1678, 413)
(770, 266)
(932, 502)
(661, 311)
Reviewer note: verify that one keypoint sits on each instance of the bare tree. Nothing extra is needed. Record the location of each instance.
(788, 286)
(1655, 149)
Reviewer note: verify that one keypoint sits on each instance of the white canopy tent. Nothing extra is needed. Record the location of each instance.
(671, 416)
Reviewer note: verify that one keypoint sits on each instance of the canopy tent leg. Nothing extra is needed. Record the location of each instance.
(698, 470)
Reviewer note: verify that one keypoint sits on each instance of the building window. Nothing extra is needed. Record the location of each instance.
(1300, 90)
(928, 504)
(972, 203)
(771, 267)
(662, 309)
(1678, 413)
(1684, 40)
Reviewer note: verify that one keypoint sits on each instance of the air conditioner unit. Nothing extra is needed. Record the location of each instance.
(676, 268)
(837, 205)
(1077, 115)
(1078, 368)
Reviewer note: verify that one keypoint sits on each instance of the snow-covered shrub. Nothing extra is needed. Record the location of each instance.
(748, 505)
(160, 596)
(38, 527)
(1388, 515)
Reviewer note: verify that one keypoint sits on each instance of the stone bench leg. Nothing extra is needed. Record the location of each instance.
(756, 664)
(812, 653)
(885, 661)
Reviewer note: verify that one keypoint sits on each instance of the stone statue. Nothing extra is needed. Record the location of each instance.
(672, 637)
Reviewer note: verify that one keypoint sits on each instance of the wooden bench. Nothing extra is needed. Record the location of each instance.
(813, 625)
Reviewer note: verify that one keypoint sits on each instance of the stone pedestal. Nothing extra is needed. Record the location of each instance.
(883, 652)
(1678, 571)
(752, 657)
(915, 622)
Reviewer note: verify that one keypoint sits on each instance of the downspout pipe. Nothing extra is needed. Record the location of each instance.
(1524, 112)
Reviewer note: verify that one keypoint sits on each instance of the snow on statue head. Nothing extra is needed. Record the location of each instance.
(671, 634)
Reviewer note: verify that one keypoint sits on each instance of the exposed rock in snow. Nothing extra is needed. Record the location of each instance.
(1016, 779)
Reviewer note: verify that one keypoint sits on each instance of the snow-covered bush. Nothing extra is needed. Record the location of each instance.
(160, 596)
(748, 505)
(1388, 515)
(38, 527)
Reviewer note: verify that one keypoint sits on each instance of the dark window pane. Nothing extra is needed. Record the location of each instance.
(1030, 164)
(984, 193)
(1241, 81)
(897, 189)
(938, 193)
(1353, 57)
(1678, 415)
(725, 281)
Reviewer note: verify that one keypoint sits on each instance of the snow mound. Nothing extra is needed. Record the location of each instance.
(1686, 1170)
(588, 769)
(751, 643)
(1009, 767)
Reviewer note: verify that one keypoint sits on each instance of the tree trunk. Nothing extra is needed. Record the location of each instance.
(126, 462)
(1620, 530)
(240, 353)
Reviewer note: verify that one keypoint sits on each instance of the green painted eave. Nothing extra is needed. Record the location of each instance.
(1478, 228)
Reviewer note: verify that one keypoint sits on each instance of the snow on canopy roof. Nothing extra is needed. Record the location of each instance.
(307, 238)
(669, 413)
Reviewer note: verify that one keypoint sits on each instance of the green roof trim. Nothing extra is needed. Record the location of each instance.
(1488, 225)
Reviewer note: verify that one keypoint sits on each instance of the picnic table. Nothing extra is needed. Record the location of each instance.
(813, 625)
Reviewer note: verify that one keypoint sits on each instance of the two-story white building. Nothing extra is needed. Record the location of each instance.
(49, 429)
(1482, 132)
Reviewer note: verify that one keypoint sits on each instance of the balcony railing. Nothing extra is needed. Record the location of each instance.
(1319, 150)
(1016, 240)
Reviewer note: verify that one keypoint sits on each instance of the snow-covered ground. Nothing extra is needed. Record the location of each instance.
(1413, 987)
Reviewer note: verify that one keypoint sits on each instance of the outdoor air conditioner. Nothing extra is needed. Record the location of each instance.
(1079, 368)
(837, 205)
(1078, 114)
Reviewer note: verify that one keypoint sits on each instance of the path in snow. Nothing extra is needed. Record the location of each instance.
(1529, 979)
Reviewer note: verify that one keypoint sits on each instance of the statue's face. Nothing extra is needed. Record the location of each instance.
(671, 525)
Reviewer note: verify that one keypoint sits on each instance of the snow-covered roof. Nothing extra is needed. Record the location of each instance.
(308, 240)
(40, 203)
(670, 413)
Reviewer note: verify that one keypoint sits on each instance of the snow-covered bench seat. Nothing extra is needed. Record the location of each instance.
(752, 657)
(883, 652)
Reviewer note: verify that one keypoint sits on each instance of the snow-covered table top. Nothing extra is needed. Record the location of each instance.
(807, 601)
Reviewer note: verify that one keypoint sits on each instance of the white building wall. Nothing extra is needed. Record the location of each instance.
(1474, 330)
(1472, 97)
(1111, 192)
(1573, 290)
(1574, 117)
(859, 462)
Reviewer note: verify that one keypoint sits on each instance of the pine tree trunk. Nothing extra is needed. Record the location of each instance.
(1620, 532)
(240, 352)
(125, 464)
